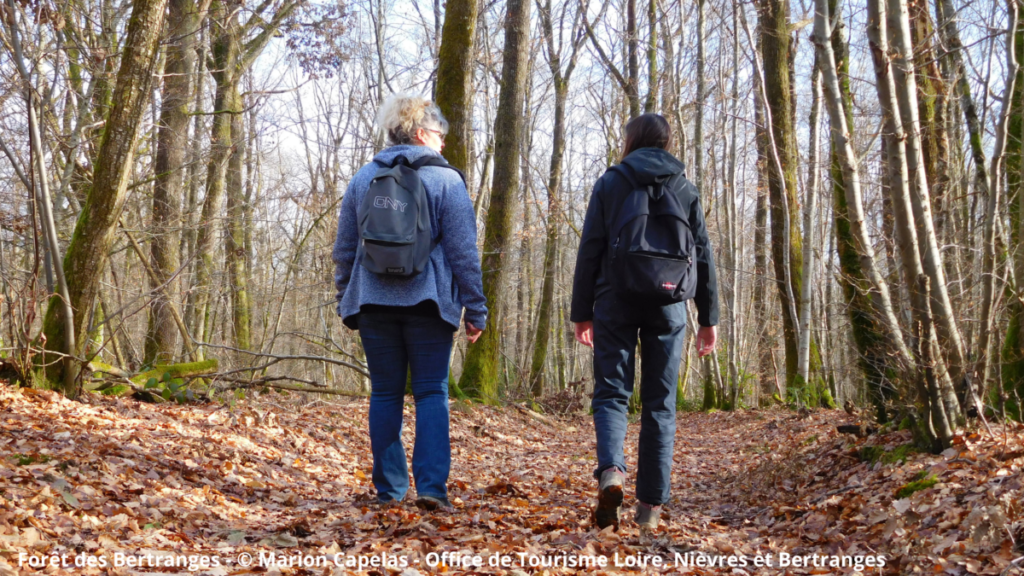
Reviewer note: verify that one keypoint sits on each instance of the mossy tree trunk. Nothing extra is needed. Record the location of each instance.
(480, 375)
(237, 262)
(990, 261)
(1013, 342)
(931, 104)
(235, 46)
(927, 369)
(858, 288)
(90, 244)
(172, 143)
(227, 102)
(766, 382)
(944, 321)
(786, 244)
(456, 59)
(950, 39)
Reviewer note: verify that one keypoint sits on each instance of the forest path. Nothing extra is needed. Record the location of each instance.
(285, 476)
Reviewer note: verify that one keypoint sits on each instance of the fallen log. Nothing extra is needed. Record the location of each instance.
(858, 430)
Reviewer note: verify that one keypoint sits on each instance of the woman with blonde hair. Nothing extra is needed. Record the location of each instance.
(407, 315)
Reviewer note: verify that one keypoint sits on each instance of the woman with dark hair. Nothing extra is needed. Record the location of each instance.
(645, 202)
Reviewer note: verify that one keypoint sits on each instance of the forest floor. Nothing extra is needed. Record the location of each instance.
(115, 486)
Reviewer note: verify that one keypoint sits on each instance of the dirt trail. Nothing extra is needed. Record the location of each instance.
(289, 478)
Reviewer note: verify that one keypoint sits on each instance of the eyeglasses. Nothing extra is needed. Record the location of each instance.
(440, 134)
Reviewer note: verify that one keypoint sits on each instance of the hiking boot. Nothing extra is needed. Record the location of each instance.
(647, 516)
(609, 498)
(430, 503)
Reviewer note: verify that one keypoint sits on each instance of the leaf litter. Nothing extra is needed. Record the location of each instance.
(110, 475)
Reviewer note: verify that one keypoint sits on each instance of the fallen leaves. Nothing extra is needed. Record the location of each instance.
(116, 476)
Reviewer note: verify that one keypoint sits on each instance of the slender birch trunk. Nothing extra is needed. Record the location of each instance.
(930, 364)
(988, 267)
(903, 73)
(560, 79)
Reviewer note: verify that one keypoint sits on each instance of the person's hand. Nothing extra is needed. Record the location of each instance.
(472, 332)
(585, 333)
(706, 338)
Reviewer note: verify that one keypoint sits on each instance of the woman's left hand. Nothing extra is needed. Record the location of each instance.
(472, 332)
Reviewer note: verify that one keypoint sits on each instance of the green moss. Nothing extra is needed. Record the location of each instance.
(897, 455)
(116, 390)
(182, 370)
(711, 400)
(870, 453)
(29, 459)
(924, 481)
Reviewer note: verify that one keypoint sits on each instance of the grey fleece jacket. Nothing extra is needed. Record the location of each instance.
(452, 278)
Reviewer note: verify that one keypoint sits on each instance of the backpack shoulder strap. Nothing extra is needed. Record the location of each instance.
(627, 173)
(439, 162)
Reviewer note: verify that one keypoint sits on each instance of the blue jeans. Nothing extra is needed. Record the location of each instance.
(395, 343)
(617, 325)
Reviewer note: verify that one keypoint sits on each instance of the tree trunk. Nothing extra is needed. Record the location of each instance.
(172, 143)
(932, 110)
(872, 319)
(732, 251)
(456, 59)
(811, 189)
(234, 239)
(1013, 342)
(786, 244)
(480, 372)
(763, 343)
(560, 79)
(906, 95)
(234, 48)
(988, 267)
(904, 218)
(633, 59)
(90, 244)
(542, 335)
(227, 103)
(652, 56)
(698, 122)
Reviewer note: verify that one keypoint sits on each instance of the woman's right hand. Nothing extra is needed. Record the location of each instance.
(585, 333)
(472, 332)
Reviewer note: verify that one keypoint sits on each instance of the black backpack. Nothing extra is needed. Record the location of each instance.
(652, 249)
(394, 219)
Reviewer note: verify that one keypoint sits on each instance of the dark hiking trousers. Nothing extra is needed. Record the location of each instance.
(617, 325)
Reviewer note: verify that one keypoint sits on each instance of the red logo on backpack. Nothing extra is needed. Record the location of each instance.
(668, 286)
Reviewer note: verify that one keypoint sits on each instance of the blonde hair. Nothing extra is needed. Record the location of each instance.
(402, 114)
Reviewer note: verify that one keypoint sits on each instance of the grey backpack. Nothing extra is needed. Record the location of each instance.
(394, 219)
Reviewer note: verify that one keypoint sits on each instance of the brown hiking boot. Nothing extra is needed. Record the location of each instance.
(430, 503)
(647, 516)
(609, 498)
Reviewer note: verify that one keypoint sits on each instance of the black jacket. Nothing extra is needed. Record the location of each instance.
(649, 165)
